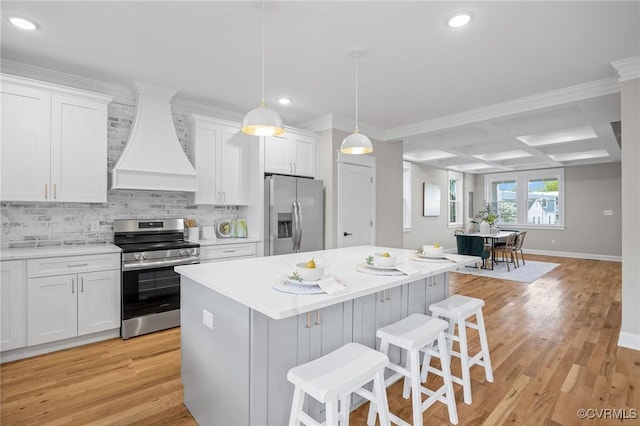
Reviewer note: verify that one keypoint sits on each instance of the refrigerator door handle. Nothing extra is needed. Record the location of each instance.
(294, 231)
(299, 225)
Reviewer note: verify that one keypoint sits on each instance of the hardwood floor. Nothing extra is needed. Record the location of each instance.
(553, 348)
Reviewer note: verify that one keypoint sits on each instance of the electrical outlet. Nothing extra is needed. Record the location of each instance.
(207, 318)
(95, 226)
(553, 241)
(607, 212)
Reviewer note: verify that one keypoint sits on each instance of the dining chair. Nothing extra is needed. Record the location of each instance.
(518, 246)
(507, 249)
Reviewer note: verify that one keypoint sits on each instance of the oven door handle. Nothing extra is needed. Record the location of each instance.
(160, 263)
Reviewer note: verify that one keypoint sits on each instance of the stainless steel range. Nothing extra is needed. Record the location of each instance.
(150, 287)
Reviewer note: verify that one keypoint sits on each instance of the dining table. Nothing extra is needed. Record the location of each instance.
(491, 239)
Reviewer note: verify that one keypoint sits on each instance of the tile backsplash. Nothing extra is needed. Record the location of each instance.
(54, 224)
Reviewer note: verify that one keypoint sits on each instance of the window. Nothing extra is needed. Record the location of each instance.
(406, 196)
(455, 199)
(529, 198)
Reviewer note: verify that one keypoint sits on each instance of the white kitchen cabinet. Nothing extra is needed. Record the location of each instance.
(218, 151)
(54, 143)
(217, 253)
(290, 154)
(67, 297)
(13, 305)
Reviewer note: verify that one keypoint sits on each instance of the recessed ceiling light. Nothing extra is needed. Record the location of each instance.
(458, 20)
(23, 23)
(559, 136)
(284, 101)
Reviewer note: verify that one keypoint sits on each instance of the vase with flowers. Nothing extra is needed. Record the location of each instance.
(487, 216)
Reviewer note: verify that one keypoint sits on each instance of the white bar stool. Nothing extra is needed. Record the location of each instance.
(333, 378)
(416, 333)
(457, 309)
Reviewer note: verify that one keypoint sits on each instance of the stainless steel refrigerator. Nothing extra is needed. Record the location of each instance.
(294, 215)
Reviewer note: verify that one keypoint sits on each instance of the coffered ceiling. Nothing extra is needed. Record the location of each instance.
(465, 99)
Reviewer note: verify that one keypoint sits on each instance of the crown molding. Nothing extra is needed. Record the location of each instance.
(332, 121)
(628, 68)
(121, 94)
(605, 86)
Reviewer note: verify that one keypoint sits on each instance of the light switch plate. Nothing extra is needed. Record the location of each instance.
(608, 212)
(207, 319)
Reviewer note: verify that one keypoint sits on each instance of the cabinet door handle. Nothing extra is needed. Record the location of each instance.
(388, 295)
(218, 199)
(55, 191)
(382, 299)
(46, 191)
(77, 265)
(81, 285)
(318, 317)
(308, 324)
(294, 167)
(73, 285)
(224, 196)
(228, 251)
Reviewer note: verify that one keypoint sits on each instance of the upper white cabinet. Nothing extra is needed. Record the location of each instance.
(290, 154)
(13, 305)
(54, 143)
(218, 151)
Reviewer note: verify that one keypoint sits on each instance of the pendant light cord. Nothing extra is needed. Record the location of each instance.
(356, 90)
(263, 52)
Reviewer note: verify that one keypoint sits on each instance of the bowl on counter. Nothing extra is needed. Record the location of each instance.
(379, 259)
(309, 274)
(432, 251)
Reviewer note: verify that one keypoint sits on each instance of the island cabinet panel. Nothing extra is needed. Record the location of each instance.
(280, 345)
(214, 360)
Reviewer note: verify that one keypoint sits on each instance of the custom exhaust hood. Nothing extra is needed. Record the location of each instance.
(153, 158)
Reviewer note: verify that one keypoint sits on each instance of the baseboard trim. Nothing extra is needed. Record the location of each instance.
(29, 351)
(629, 340)
(591, 256)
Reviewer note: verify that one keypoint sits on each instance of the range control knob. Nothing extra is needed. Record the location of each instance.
(137, 256)
(183, 252)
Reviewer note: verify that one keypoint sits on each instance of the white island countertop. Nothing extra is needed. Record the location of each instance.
(250, 281)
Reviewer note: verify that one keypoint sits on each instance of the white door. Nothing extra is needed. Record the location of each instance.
(305, 159)
(26, 142)
(78, 150)
(356, 205)
(52, 308)
(278, 155)
(233, 166)
(98, 301)
(13, 305)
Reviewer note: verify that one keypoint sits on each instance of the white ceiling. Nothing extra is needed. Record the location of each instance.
(520, 68)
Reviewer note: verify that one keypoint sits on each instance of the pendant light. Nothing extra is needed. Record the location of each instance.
(356, 143)
(262, 121)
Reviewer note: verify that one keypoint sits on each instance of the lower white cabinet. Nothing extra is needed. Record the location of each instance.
(72, 304)
(13, 305)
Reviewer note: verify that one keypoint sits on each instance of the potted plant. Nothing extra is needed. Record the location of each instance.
(488, 218)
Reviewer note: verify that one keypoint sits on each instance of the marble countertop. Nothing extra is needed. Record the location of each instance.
(250, 281)
(57, 251)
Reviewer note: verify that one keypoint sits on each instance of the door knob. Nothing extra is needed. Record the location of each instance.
(346, 234)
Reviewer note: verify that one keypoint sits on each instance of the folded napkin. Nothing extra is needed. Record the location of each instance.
(406, 269)
(330, 286)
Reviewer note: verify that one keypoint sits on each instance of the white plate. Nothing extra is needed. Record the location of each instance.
(424, 256)
(374, 266)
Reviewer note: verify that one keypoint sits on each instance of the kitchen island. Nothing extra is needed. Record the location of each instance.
(240, 336)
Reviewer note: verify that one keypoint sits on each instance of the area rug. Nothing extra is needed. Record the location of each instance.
(527, 273)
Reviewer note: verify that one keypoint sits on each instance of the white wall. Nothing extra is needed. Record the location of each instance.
(589, 190)
(428, 230)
